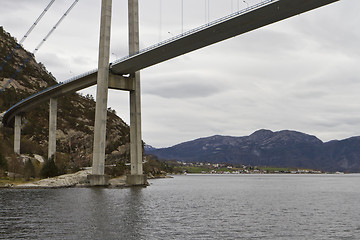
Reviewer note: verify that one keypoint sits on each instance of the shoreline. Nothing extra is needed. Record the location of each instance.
(74, 180)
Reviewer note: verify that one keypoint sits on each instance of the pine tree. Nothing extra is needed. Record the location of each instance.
(3, 165)
(49, 169)
(29, 170)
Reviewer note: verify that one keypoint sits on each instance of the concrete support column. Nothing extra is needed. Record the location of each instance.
(98, 165)
(136, 154)
(52, 127)
(17, 134)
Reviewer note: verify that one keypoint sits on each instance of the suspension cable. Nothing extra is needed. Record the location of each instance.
(38, 47)
(9, 57)
(182, 16)
(36, 22)
(56, 25)
(206, 19)
(207, 11)
(160, 35)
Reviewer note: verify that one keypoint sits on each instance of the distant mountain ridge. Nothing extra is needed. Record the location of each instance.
(284, 148)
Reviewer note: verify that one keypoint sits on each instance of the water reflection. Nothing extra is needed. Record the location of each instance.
(99, 218)
(115, 213)
(135, 215)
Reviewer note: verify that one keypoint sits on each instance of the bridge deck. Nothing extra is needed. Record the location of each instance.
(265, 13)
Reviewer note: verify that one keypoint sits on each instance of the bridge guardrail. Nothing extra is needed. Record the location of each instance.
(32, 96)
(197, 29)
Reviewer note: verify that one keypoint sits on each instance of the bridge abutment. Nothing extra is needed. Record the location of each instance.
(136, 180)
(98, 179)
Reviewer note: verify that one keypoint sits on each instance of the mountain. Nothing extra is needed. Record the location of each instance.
(76, 114)
(266, 148)
(342, 155)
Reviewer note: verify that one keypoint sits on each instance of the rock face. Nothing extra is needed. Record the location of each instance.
(266, 148)
(67, 180)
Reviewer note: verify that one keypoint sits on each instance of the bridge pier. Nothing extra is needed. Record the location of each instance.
(98, 177)
(52, 128)
(17, 134)
(137, 176)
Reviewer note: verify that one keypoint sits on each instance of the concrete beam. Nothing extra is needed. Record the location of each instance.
(52, 127)
(119, 82)
(17, 134)
(98, 165)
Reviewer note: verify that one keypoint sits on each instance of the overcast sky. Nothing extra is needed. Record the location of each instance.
(301, 74)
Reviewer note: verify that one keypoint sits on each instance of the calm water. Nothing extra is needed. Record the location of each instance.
(190, 207)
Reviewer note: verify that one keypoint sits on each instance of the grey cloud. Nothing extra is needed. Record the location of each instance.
(193, 90)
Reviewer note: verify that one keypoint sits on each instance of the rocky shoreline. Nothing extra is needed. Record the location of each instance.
(78, 179)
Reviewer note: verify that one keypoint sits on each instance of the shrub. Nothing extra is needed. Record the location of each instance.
(49, 169)
(118, 170)
(29, 170)
(16, 166)
(3, 163)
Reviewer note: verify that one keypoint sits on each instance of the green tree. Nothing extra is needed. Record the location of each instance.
(16, 166)
(3, 163)
(49, 169)
(29, 170)
(118, 170)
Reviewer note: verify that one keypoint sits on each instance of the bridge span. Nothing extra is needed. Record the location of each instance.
(123, 72)
(249, 19)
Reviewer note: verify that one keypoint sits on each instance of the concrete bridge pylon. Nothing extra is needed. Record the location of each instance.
(17, 134)
(98, 177)
(136, 152)
(52, 128)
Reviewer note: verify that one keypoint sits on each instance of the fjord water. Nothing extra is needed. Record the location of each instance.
(190, 207)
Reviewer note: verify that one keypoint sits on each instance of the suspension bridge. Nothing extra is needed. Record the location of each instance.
(124, 74)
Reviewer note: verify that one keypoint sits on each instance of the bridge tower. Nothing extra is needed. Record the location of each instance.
(136, 153)
(98, 177)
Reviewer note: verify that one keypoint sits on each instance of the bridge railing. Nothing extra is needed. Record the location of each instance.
(33, 96)
(197, 29)
(52, 87)
(80, 76)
